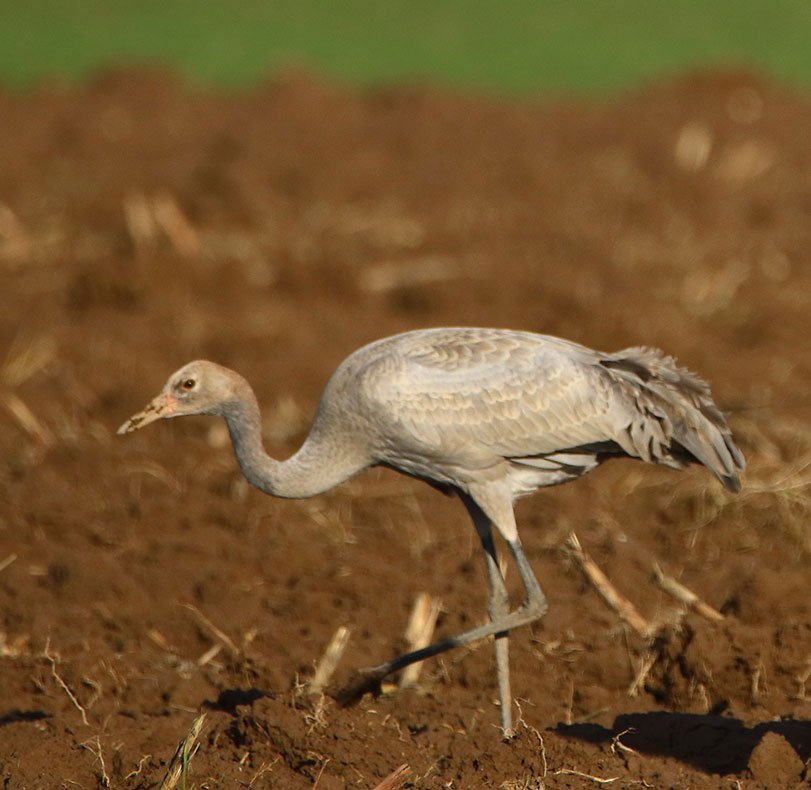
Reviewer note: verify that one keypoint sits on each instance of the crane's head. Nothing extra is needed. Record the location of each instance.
(199, 387)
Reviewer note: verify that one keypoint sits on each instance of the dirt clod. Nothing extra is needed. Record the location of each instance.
(774, 763)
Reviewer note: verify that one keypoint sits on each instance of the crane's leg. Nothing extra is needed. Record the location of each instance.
(533, 608)
(536, 600)
(498, 607)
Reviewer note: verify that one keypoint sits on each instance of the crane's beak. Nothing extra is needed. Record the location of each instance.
(162, 406)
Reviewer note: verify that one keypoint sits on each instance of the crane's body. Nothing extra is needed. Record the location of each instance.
(492, 414)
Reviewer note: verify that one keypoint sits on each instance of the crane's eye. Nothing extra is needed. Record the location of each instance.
(188, 384)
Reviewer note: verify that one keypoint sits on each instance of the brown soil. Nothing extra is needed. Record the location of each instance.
(143, 224)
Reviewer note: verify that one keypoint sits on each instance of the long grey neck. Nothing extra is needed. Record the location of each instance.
(319, 465)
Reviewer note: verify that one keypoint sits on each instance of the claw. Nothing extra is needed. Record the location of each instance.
(365, 681)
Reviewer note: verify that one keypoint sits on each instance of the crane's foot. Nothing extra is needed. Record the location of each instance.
(364, 681)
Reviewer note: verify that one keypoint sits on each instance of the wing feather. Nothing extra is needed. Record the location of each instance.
(482, 399)
(469, 399)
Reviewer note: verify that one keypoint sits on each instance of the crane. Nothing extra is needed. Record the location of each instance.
(489, 414)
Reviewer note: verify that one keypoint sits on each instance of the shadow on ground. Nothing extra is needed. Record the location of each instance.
(716, 744)
(17, 715)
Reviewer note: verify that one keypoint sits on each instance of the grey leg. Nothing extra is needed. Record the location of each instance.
(535, 598)
(534, 608)
(498, 607)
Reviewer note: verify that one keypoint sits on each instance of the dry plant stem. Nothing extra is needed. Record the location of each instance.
(182, 757)
(802, 680)
(329, 661)
(419, 632)
(392, 276)
(687, 597)
(105, 779)
(597, 779)
(522, 721)
(644, 670)
(210, 654)
(757, 672)
(62, 683)
(395, 778)
(219, 636)
(7, 561)
(15, 241)
(320, 773)
(263, 769)
(617, 602)
(159, 639)
(140, 222)
(27, 420)
(618, 746)
(175, 225)
(26, 358)
(88, 681)
(145, 215)
(137, 771)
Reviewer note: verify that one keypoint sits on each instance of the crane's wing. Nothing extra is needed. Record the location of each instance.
(471, 398)
(503, 395)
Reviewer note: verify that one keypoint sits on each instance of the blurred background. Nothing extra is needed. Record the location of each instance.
(515, 46)
(273, 184)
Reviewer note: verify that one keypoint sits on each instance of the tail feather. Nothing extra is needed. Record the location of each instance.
(679, 403)
(715, 450)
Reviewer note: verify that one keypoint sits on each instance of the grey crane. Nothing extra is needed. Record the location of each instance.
(490, 414)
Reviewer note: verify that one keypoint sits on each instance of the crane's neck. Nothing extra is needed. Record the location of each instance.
(320, 464)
